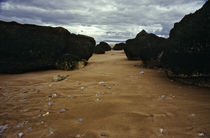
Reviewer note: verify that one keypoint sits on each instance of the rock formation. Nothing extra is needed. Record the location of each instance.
(104, 46)
(189, 52)
(30, 47)
(99, 50)
(146, 47)
(119, 46)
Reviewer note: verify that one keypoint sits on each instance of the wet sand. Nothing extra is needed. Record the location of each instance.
(127, 105)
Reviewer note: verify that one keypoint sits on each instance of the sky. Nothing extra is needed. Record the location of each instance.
(116, 20)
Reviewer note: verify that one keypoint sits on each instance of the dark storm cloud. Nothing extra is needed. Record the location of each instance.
(104, 19)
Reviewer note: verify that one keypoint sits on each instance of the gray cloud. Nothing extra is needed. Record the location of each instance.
(104, 19)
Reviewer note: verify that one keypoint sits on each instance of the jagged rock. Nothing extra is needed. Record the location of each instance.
(119, 46)
(146, 47)
(190, 44)
(26, 47)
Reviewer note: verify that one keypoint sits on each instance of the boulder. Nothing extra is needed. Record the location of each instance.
(190, 44)
(146, 47)
(104, 46)
(119, 46)
(25, 47)
(99, 50)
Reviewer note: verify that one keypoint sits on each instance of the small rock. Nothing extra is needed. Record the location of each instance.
(97, 99)
(142, 72)
(80, 120)
(200, 134)
(62, 110)
(78, 136)
(103, 134)
(2, 129)
(101, 83)
(47, 113)
(25, 92)
(53, 95)
(24, 100)
(109, 87)
(69, 96)
(96, 95)
(162, 96)
(51, 132)
(42, 122)
(151, 115)
(82, 88)
(49, 104)
(30, 129)
(161, 130)
(102, 93)
(39, 116)
(57, 78)
(20, 135)
(193, 115)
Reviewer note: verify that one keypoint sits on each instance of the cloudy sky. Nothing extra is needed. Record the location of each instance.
(101, 19)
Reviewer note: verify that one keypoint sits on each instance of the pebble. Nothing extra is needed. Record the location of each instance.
(103, 134)
(82, 88)
(30, 129)
(42, 122)
(109, 87)
(151, 115)
(53, 95)
(24, 99)
(80, 120)
(47, 113)
(200, 134)
(57, 78)
(162, 96)
(78, 136)
(102, 93)
(49, 104)
(161, 130)
(193, 115)
(69, 96)
(2, 129)
(101, 83)
(96, 95)
(97, 99)
(62, 110)
(25, 92)
(39, 116)
(142, 72)
(51, 132)
(20, 135)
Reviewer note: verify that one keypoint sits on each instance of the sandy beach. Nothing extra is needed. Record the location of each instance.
(110, 97)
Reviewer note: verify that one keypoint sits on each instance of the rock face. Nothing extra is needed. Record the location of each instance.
(119, 46)
(146, 47)
(190, 44)
(29, 47)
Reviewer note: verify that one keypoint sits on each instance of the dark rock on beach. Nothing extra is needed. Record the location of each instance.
(119, 46)
(25, 47)
(190, 45)
(147, 47)
(99, 50)
(104, 46)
